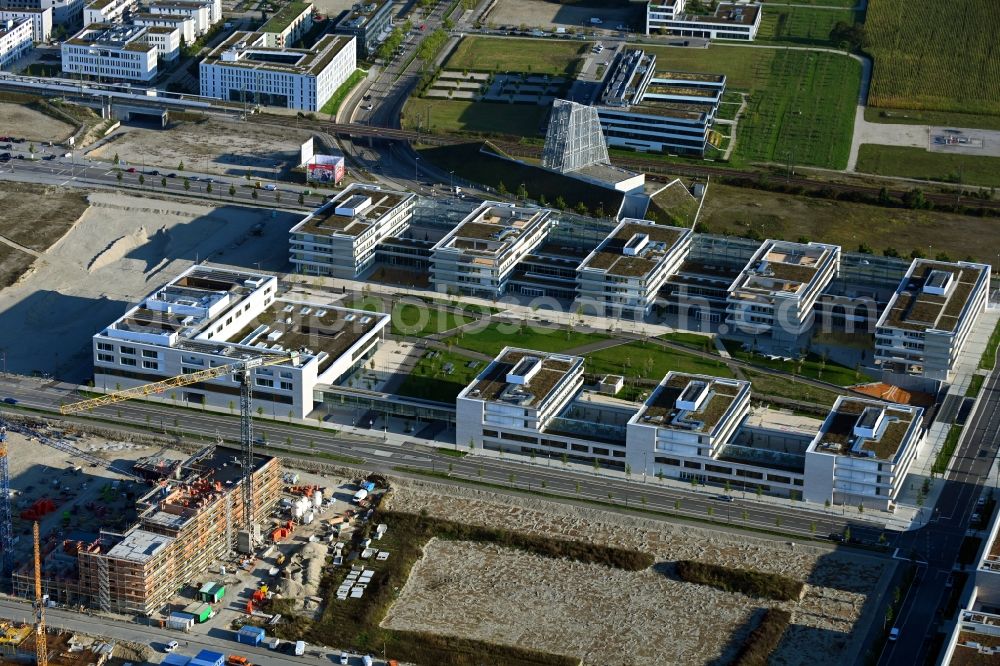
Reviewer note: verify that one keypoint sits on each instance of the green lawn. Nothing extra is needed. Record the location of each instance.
(444, 115)
(537, 56)
(413, 319)
(495, 337)
(923, 164)
(812, 366)
(774, 4)
(939, 118)
(764, 385)
(693, 340)
(802, 25)
(801, 104)
(430, 381)
(333, 104)
(650, 361)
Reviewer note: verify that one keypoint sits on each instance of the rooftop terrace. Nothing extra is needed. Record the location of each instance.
(284, 17)
(693, 403)
(782, 268)
(492, 229)
(541, 372)
(614, 257)
(932, 296)
(865, 429)
(355, 216)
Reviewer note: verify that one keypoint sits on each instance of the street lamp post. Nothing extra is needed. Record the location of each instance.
(416, 168)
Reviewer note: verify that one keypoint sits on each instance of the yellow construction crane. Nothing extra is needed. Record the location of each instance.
(180, 380)
(41, 649)
(241, 369)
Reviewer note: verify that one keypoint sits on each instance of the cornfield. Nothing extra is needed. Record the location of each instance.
(935, 56)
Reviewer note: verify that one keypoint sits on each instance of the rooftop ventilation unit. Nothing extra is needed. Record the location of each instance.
(524, 370)
(635, 245)
(693, 396)
(938, 282)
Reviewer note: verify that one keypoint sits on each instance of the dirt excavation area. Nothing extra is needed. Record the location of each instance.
(506, 596)
(26, 123)
(118, 250)
(210, 146)
(549, 15)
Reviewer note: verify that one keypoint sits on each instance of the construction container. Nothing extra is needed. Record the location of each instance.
(212, 593)
(180, 621)
(368, 485)
(175, 659)
(317, 499)
(208, 658)
(309, 517)
(360, 495)
(250, 635)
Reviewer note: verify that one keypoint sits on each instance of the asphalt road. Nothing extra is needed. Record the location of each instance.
(190, 643)
(508, 475)
(938, 543)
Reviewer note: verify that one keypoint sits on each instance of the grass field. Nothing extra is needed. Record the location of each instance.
(923, 164)
(801, 103)
(412, 319)
(430, 381)
(442, 115)
(340, 94)
(812, 366)
(650, 361)
(802, 25)
(765, 385)
(935, 55)
(737, 210)
(846, 4)
(940, 118)
(537, 56)
(495, 337)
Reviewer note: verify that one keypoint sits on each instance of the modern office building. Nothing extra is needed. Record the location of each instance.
(862, 453)
(288, 25)
(208, 317)
(41, 21)
(244, 69)
(108, 11)
(108, 51)
(478, 256)
(624, 274)
(975, 635)
(773, 297)
(369, 22)
(187, 522)
(16, 39)
(668, 111)
(739, 21)
(930, 317)
(183, 24)
(67, 13)
(203, 13)
(341, 238)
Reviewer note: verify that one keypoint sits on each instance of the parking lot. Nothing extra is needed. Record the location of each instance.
(549, 15)
(964, 141)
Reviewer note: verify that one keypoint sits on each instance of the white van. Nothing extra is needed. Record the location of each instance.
(300, 648)
(270, 187)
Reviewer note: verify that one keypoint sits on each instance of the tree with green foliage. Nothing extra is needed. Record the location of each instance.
(187, 185)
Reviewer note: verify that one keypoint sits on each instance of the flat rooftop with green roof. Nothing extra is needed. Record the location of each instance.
(522, 377)
(285, 16)
(353, 212)
(933, 295)
(692, 403)
(867, 429)
(636, 248)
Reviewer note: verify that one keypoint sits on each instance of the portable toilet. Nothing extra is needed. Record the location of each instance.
(208, 658)
(250, 635)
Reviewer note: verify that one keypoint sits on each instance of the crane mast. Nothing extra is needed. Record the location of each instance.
(41, 649)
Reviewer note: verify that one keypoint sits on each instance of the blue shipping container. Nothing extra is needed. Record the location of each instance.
(368, 485)
(250, 635)
(208, 658)
(174, 659)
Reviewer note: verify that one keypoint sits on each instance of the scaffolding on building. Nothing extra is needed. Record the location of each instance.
(573, 139)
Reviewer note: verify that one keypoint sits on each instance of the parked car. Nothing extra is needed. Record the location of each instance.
(131, 169)
(724, 498)
(171, 646)
(894, 633)
(10, 401)
(344, 658)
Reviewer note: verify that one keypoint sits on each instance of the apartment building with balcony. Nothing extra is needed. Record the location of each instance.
(16, 39)
(183, 24)
(341, 238)
(730, 20)
(243, 68)
(668, 111)
(41, 21)
(862, 453)
(478, 256)
(203, 13)
(624, 274)
(928, 320)
(773, 297)
(288, 25)
(369, 22)
(187, 522)
(208, 317)
(108, 11)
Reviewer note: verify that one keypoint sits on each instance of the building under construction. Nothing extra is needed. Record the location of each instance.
(190, 518)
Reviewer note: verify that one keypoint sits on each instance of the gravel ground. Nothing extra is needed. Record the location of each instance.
(212, 146)
(494, 594)
(549, 15)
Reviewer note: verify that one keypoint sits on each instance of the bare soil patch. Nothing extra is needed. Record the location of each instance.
(548, 15)
(499, 595)
(32, 125)
(211, 146)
